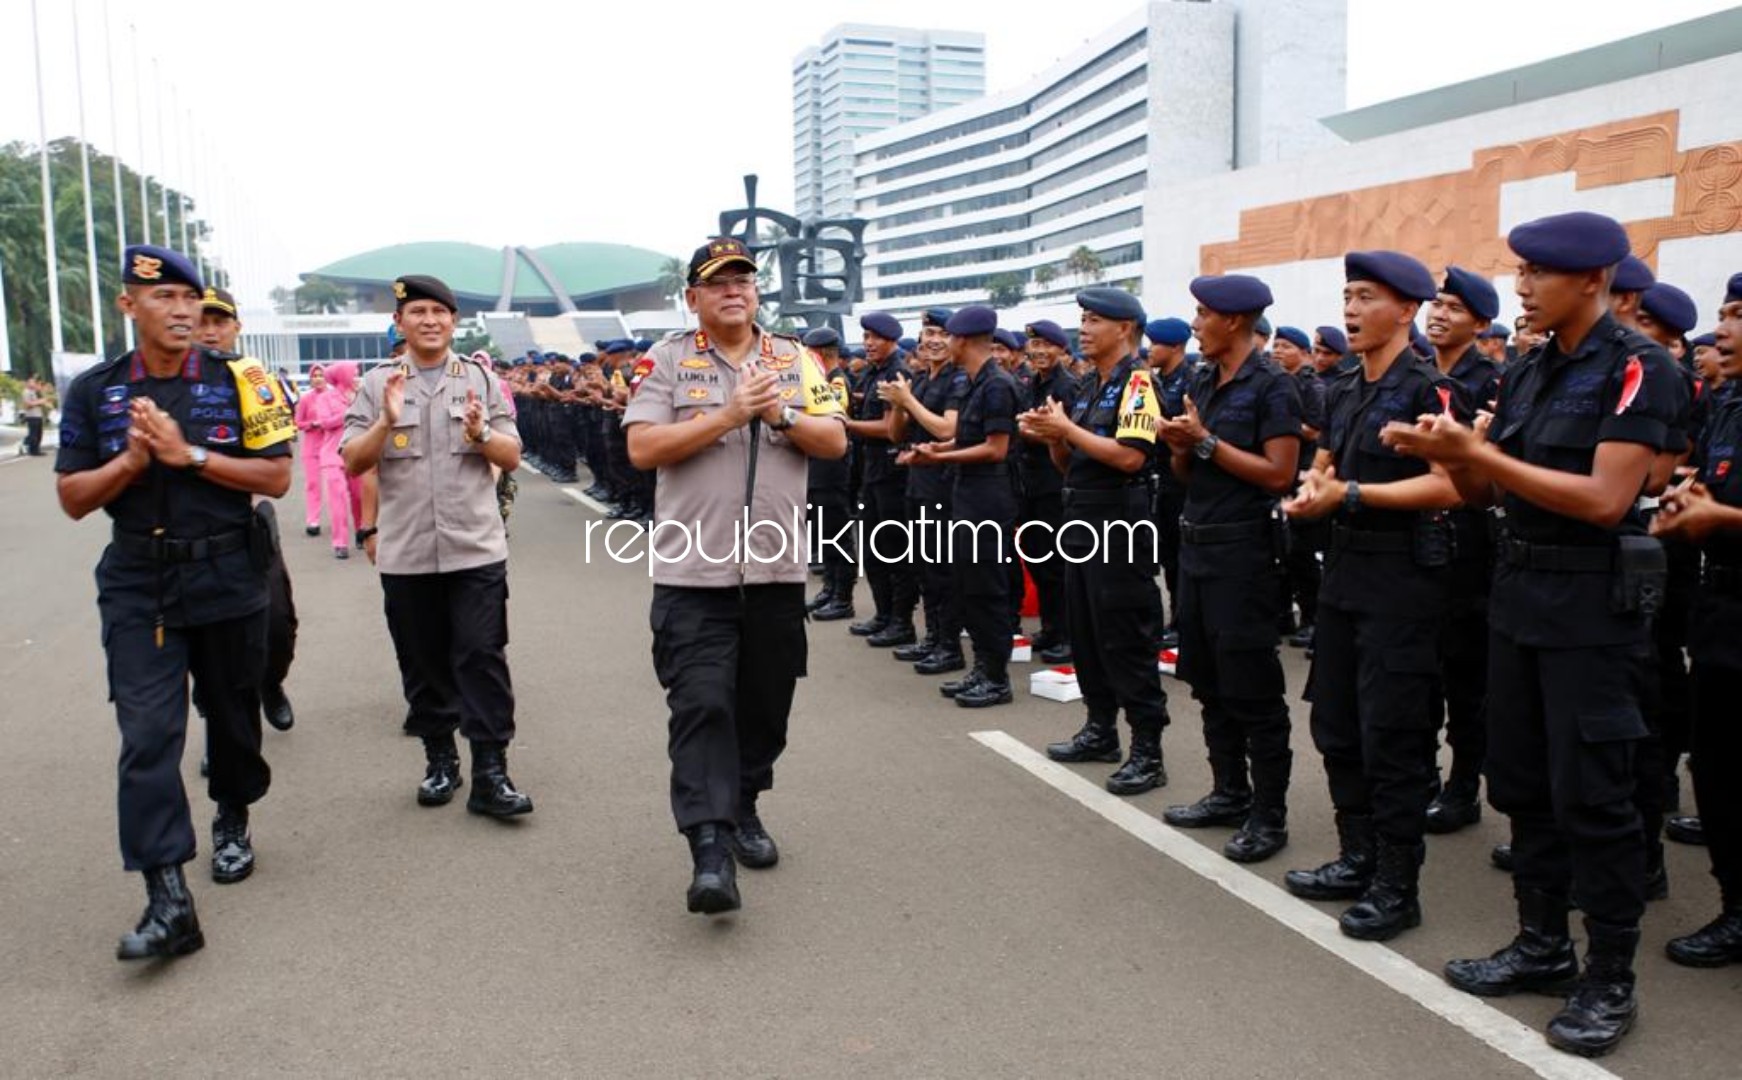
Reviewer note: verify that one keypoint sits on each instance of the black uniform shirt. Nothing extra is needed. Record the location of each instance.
(1554, 410)
(1478, 376)
(1039, 477)
(1097, 408)
(989, 408)
(1716, 636)
(941, 393)
(1170, 391)
(1258, 403)
(204, 401)
(880, 453)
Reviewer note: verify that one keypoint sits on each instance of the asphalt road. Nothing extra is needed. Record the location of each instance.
(939, 910)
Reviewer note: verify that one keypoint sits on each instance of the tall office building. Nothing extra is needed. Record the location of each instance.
(860, 80)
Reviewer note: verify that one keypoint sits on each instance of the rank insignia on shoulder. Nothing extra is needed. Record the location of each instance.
(458, 367)
(702, 344)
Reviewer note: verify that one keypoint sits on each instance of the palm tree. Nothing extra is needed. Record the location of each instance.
(319, 296)
(1085, 264)
(674, 276)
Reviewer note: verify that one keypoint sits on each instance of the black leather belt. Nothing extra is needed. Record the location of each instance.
(1101, 497)
(1556, 558)
(1375, 541)
(171, 549)
(1224, 534)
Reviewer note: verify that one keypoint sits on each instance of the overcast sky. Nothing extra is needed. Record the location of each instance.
(521, 122)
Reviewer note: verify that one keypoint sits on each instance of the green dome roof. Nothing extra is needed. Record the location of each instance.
(475, 271)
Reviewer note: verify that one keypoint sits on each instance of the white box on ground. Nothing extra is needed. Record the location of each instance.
(1055, 684)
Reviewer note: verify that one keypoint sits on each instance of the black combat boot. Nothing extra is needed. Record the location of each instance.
(1096, 740)
(1057, 654)
(714, 886)
(1228, 802)
(1539, 960)
(1391, 904)
(1143, 770)
(441, 774)
(232, 848)
(1345, 877)
(989, 691)
(920, 649)
(493, 794)
(876, 624)
(1685, 830)
(751, 844)
(1457, 806)
(840, 583)
(169, 926)
(276, 708)
(1602, 1007)
(824, 596)
(1713, 945)
(967, 682)
(1501, 857)
(942, 660)
(1264, 833)
(896, 633)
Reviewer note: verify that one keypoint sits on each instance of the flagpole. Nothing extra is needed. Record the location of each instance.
(139, 115)
(181, 170)
(98, 346)
(162, 156)
(115, 157)
(57, 341)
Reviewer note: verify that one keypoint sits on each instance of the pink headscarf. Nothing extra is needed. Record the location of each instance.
(343, 377)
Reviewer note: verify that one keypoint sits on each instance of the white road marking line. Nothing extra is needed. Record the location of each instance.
(586, 500)
(1517, 1041)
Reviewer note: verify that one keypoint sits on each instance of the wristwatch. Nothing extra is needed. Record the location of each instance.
(1207, 449)
(196, 459)
(1351, 497)
(482, 439)
(788, 417)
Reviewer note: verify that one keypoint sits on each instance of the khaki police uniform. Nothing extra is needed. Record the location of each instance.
(442, 549)
(728, 628)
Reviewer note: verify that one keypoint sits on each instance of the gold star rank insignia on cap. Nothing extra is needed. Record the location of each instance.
(147, 268)
(399, 290)
(211, 293)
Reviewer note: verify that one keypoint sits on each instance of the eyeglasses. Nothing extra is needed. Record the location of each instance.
(735, 281)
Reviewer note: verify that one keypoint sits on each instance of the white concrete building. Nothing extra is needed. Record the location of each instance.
(1003, 190)
(862, 79)
(1644, 129)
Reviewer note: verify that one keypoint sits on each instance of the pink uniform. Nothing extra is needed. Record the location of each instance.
(344, 493)
(314, 438)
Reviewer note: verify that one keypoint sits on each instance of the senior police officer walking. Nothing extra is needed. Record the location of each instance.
(1575, 431)
(1235, 447)
(1381, 606)
(432, 425)
(170, 441)
(727, 415)
(1103, 445)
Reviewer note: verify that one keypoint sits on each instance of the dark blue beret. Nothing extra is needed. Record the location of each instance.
(1010, 339)
(1333, 338)
(148, 264)
(1497, 330)
(612, 348)
(1633, 276)
(1671, 307)
(1047, 330)
(587, 358)
(1262, 328)
(1168, 331)
(907, 344)
(1232, 294)
(1474, 290)
(882, 324)
(1733, 291)
(937, 316)
(1296, 337)
(971, 321)
(1577, 241)
(642, 344)
(823, 337)
(1403, 275)
(1704, 341)
(1111, 304)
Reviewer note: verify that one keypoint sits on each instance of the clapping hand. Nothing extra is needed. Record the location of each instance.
(1320, 493)
(1186, 430)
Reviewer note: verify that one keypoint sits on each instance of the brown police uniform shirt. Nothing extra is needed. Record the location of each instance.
(682, 378)
(437, 509)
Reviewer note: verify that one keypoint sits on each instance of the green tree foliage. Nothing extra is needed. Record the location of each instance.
(1004, 290)
(21, 246)
(319, 296)
(1086, 265)
(674, 275)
